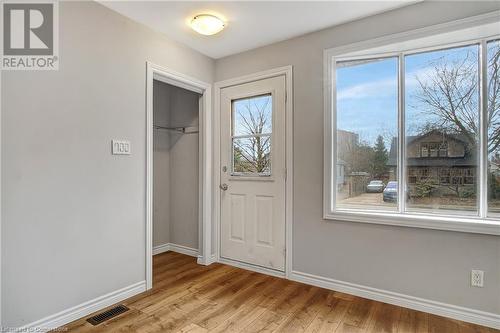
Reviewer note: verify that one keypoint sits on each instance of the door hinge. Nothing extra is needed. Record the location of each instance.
(285, 173)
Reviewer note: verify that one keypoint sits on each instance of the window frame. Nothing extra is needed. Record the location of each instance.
(481, 222)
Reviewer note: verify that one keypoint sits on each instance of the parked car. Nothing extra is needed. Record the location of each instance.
(375, 186)
(390, 193)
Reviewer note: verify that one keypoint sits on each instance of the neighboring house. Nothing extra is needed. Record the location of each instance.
(346, 144)
(340, 172)
(438, 159)
(494, 168)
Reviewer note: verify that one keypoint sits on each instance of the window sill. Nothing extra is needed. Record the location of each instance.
(460, 224)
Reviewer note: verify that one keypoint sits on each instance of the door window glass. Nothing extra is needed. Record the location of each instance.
(251, 135)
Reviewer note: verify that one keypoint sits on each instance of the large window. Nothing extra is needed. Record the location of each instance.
(415, 135)
(367, 127)
(442, 129)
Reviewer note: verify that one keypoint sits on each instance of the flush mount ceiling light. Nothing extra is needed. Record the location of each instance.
(207, 24)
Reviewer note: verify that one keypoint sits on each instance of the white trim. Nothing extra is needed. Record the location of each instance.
(329, 140)
(189, 251)
(178, 79)
(473, 224)
(450, 223)
(420, 304)
(483, 126)
(1, 198)
(149, 176)
(161, 248)
(84, 309)
(401, 165)
(289, 101)
(287, 71)
(211, 260)
(253, 268)
(175, 82)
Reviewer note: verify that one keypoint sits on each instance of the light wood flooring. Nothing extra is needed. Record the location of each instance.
(187, 297)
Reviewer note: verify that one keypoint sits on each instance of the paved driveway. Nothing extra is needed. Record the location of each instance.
(366, 199)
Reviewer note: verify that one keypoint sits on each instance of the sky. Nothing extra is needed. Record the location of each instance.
(367, 94)
(244, 108)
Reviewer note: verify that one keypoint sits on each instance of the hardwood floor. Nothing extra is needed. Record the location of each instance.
(187, 297)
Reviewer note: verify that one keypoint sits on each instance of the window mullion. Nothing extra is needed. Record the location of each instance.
(401, 134)
(483, 127)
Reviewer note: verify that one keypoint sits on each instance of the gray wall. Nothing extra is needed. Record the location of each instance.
(161, 165)
(184, 169)
(425, 263)
(176, 168)
(73, 215)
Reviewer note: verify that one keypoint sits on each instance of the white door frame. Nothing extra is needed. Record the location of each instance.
(155, 72)
(286, 71)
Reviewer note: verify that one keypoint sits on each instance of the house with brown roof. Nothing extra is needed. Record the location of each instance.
(444, 161)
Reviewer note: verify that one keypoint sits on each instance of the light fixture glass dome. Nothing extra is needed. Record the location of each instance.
(207, 24)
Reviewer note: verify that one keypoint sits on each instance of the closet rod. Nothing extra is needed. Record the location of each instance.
(176, 129)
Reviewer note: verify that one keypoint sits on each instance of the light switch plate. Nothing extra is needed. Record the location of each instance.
(120, 147)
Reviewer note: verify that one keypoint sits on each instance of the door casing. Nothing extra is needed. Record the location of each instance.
(287, 72)
(155, 72)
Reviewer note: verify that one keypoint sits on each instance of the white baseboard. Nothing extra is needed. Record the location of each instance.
(202, 261)
(66, 316)
(161, 248)
(441, 309)
(189, 251)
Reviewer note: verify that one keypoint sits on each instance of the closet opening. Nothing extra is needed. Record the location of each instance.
(178, 170)
(175, 173)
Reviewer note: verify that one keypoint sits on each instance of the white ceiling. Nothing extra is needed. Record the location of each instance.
(250, 24)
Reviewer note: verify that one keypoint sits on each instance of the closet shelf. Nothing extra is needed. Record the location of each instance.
(182, 130)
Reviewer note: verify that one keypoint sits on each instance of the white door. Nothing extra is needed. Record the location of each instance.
(253, 173)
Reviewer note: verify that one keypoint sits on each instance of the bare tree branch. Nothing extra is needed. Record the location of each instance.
(451, 92)
(253, 154)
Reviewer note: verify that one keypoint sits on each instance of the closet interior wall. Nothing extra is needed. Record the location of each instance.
(175, 166)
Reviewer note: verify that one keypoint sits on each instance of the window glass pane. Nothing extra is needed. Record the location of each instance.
(251, 135)
(252, 155)
(367, 116)
(252, 115)
(442, 130)
(494, 127)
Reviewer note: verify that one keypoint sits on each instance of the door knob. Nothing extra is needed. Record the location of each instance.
(223, 187)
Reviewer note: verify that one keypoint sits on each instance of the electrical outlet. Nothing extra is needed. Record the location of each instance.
(477, 278)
